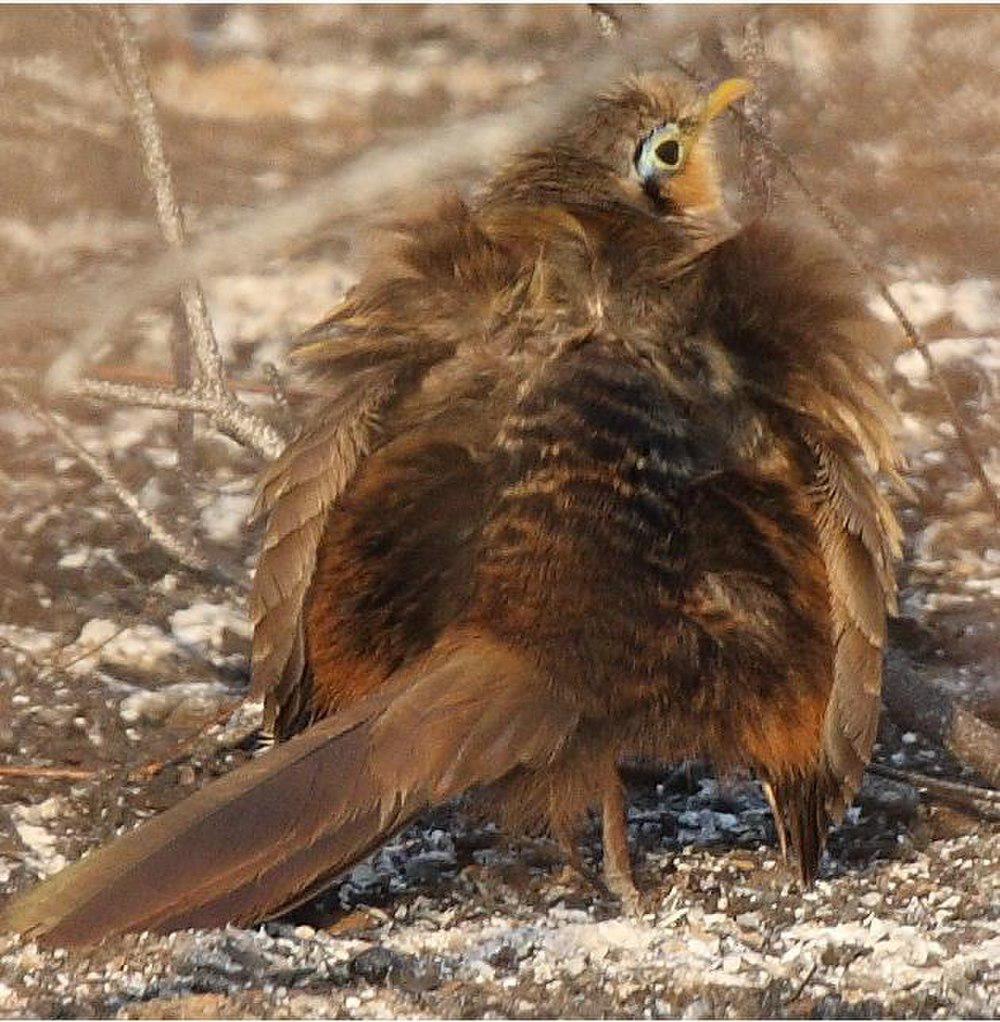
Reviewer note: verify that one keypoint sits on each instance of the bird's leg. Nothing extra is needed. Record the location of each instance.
(617, 865)
(779, 825)
(567, 839)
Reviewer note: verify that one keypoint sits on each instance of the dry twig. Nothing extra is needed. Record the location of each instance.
(847, 234)
(178, 548)
(758, 170)
(48, 773)
(796, 992)
(184, 749)
(938, 786)
(207, 393)
(145, 381)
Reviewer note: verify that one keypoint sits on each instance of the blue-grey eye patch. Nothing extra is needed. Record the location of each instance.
(661, 152)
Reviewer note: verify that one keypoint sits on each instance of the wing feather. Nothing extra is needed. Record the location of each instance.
(296, 494)
(860, 542)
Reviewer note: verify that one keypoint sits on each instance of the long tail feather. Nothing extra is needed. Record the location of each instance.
(279, 829)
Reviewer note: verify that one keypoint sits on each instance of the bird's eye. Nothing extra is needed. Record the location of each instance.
(662, 151)
(669, 153)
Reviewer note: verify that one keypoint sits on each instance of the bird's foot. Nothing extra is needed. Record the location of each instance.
(621, 886)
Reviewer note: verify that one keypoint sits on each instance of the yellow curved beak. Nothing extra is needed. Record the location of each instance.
(723, 96)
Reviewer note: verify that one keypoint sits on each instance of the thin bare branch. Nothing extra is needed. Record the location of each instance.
(796, 992)
(161, 535)
(277, 384)
(848, 236)
(84, 654)
(159, 383)
(241, 720)
(228, 416)
(758, 170)
(208, 390)
(183, 379)
(227, 412)
(185, 748)
(48, 773)
(208, 358)
(135, 394)
(936, 785)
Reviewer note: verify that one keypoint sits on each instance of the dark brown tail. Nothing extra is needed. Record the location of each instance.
(276, 831)
(801, 822)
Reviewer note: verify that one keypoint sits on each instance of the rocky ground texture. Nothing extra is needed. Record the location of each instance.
(118, 667)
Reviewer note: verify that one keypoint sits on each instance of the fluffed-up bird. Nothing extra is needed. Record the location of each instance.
(596, 480)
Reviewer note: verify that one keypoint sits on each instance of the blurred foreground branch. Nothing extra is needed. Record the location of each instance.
(364, 185)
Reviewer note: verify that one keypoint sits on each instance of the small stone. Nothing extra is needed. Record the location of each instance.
(304, 932)
(699, 1009)
(575, 967)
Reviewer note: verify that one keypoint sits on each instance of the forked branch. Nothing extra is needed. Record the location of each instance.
(208, 393)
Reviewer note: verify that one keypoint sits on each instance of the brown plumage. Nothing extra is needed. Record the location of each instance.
(596, 480)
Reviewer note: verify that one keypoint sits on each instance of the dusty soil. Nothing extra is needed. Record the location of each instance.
(112, 656)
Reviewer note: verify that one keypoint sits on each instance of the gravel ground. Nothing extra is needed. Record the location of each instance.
(449, 920)
(112, 657)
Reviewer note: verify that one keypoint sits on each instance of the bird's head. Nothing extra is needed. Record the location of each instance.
(672, 159)
(647, 143)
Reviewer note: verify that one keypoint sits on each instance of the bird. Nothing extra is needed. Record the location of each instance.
(598, 474)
